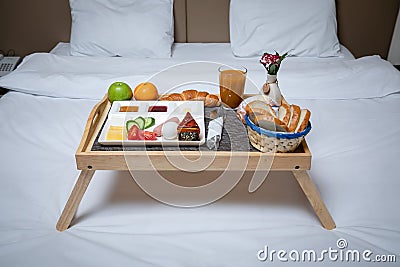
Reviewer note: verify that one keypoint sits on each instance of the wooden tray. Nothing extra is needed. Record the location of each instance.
(87, 159)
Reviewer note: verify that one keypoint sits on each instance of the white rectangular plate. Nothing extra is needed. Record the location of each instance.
(174, 109)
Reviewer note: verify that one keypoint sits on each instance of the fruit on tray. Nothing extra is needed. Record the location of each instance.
(290, 118)
(135, 133)
(141, 123)
(119, 91)
(115, 133)
(188, 129)
(209, 100)
(145, 91)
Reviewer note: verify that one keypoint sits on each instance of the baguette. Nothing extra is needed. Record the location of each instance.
(209, 100)
(294, 117)
(303, 121)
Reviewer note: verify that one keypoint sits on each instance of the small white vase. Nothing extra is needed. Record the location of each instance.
(271, 78)
(275, 93)
(273, 89)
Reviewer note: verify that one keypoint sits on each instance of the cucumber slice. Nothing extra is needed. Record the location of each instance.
(148, 122)
(130, 123)
(140, 122)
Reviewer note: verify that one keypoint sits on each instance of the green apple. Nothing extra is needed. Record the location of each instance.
(119, 91)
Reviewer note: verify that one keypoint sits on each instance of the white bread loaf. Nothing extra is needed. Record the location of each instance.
(284, 113)
(303, 120)
(268, 122)
(290, 118)
(258, 106)
(294, 117)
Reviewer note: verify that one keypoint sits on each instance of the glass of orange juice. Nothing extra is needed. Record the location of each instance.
(231, 85)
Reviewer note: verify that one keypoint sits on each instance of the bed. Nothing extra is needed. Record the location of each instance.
(354, 141)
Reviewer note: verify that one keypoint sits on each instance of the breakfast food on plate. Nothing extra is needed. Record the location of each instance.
(135, 133)
(188, 129)
(141, 123)
(145, 91)
(158, 129)
(128, 109)
(157, 109)
(115, 133)
(290, 118)
(136, 128)
(209, 100)
(170, 130)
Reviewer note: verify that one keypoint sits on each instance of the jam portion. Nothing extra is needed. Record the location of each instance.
(128, 109)
(158, 109)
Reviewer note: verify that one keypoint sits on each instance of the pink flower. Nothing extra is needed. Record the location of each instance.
(272, 62)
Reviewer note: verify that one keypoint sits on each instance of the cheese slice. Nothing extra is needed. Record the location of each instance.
(115, 133)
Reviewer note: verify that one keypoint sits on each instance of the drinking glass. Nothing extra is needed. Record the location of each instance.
(231, 85)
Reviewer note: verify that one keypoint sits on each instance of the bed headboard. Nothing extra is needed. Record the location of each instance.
(363, 26)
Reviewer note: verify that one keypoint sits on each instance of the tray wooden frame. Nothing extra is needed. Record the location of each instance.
(89, 161)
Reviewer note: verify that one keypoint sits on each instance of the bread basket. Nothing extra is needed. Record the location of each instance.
(270, 141)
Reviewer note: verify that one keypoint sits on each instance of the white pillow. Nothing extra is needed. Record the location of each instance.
(127, 28)
(304, 27)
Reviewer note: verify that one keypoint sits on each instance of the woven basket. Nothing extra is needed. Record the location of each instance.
(270, 141)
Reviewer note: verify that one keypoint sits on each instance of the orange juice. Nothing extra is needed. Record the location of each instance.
(231, 86)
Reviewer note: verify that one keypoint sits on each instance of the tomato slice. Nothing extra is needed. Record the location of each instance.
(133, 133)
(141, 135)
(149, 135)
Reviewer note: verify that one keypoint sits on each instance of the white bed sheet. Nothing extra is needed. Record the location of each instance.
(193, 51)
(90, 77)
(355, 148)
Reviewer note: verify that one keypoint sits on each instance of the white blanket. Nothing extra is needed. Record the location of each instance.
(302, 78)
(354, 167)
(365, 77)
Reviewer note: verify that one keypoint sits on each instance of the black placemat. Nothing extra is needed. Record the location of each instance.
(234, 138)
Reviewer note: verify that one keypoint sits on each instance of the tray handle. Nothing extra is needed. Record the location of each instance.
(92, 122)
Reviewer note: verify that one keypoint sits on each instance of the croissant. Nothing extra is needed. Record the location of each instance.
(209, 100)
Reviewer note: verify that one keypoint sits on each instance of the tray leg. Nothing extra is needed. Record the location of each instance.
(74, 199)
(315, 199)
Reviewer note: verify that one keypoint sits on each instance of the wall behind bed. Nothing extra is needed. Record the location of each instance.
(27, 26)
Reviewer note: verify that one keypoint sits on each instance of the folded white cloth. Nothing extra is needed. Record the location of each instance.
(214, 133)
